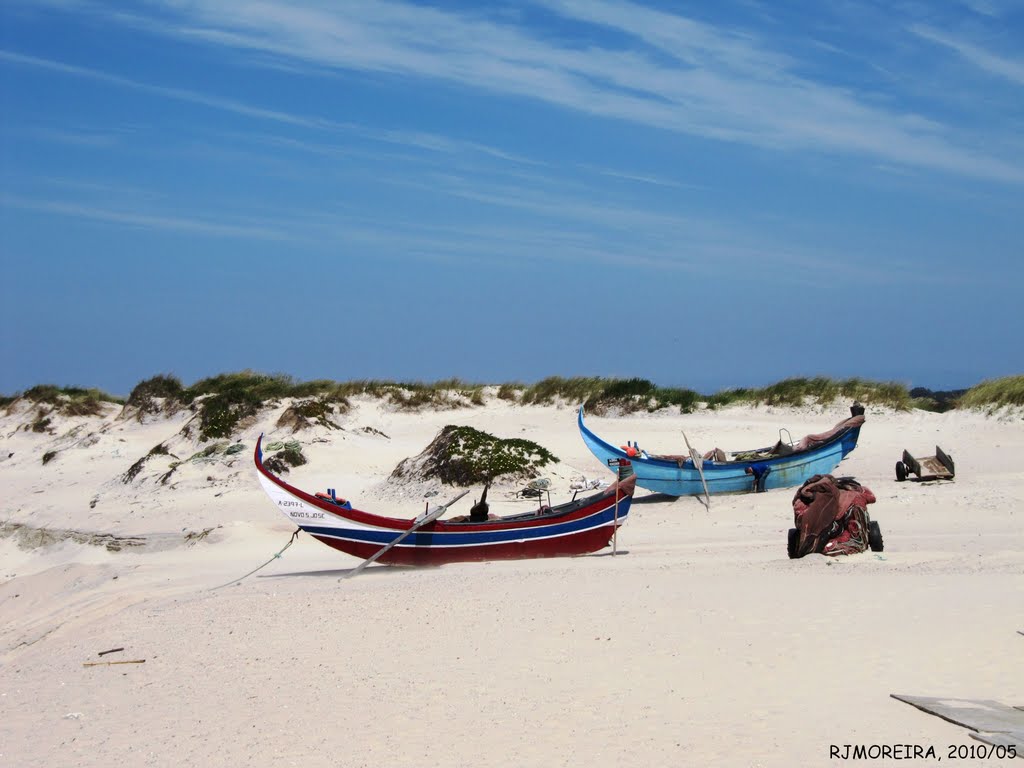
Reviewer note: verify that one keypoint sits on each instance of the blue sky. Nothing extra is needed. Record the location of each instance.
(703, 194)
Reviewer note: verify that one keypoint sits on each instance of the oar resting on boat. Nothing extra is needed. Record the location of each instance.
(429, 516)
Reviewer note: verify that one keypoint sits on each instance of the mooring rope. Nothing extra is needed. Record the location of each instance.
(291, 541)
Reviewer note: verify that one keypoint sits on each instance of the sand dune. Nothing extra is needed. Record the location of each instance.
(701, 643)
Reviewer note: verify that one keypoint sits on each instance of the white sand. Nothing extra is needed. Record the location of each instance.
(700, 644)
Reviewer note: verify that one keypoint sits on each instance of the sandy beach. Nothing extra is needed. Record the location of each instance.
(699, 643)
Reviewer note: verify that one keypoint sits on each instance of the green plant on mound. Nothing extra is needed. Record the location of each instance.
(631, 395)
(305, 413)
(283, 460)
(448, 393)
(995, 393)
(600, 395)
(686, 399)
(223, 401)
(510, 392)
(164, 386)
(730, 396)
(467, 456)
(628, 394)
(938, 401)
(70, 401)
(416, 399)
(796, 391)
(42, 421)
(573, 390)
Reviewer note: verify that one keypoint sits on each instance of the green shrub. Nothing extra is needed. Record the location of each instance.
(163, 386)
(466, 456)
(283, 460)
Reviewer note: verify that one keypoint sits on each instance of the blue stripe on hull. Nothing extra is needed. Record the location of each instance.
(472, 538)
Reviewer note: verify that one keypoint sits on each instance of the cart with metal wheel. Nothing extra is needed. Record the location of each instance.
(937, 467)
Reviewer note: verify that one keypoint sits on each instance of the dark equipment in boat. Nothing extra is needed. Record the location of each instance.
(478, 512)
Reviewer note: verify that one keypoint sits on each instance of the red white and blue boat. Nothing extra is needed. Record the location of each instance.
(577, 527)
(783, 465)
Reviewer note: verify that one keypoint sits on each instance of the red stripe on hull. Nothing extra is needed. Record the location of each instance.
(561, 546)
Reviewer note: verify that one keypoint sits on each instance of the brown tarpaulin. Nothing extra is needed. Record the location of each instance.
(831, 516)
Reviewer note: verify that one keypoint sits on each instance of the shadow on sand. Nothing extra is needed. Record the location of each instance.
(381, 570)
(339, 573)
(656, 498)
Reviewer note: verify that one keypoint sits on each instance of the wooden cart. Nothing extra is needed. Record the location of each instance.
(937, 467)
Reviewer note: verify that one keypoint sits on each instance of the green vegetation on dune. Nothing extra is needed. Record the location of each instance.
(635, 394)
(598, 395)
(163, 386)
(222, 402)
(72, 401)
(995, 393)
(798, 391)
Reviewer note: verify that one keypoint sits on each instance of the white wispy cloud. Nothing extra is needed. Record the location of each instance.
(179, 94)
(657, 181)
(143, 220)
(994, 8)
(668, 71)
(421, 140)
(1010, 69)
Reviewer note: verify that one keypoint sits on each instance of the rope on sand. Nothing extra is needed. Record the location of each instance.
(291, 541)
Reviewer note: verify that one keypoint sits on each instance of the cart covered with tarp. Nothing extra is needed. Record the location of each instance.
(831, 518)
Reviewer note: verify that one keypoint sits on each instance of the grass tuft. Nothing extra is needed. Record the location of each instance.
(147, 395)
(70, 401)
(995, 393)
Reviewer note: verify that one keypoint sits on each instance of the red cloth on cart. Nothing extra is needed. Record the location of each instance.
(831, 516)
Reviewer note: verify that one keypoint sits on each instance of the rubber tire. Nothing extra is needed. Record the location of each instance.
(901, 471)
(793, 542)
(875, 537)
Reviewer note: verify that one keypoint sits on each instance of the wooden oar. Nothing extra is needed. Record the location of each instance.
(698, 462)
(429, 516)
(618, 464)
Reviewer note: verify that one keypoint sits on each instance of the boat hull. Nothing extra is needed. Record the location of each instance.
(682, 478)
(576, 528)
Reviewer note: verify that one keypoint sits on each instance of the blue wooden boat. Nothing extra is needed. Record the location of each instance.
(784, 465)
